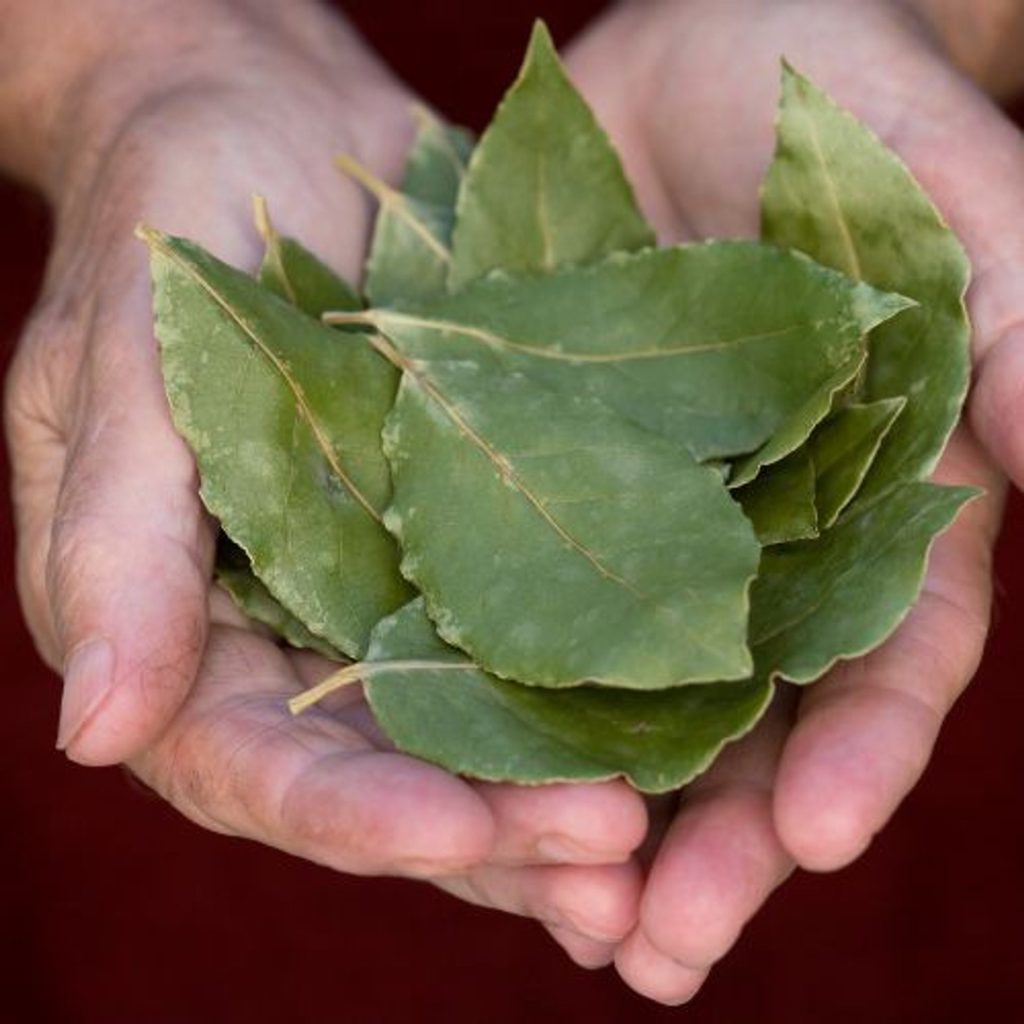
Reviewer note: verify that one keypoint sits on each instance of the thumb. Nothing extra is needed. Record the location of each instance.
(130, 553)
(971, 160)
(997, 403)
(993, 178)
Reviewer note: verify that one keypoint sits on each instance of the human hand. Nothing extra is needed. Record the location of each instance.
(686, 91)
(114, 549)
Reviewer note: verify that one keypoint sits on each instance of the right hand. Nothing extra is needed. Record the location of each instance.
(114, 550)
(687, 89)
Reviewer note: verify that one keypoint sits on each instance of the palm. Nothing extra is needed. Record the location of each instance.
(113, 540)
(236, 760)
(823, 773)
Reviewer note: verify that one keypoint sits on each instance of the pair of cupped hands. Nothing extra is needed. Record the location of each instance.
(115, 551)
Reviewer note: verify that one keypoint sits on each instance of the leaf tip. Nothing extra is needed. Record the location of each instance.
(540, 40)
(541, 56)
(787, 70)
(794, 81)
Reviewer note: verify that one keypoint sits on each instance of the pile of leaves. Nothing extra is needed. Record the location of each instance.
(575, 503)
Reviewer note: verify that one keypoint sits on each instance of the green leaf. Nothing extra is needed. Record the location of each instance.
(793, 498)
(544, 187)
(234, 573)
(837, 193)
(283, 415)
(660, 337)
(798, 426)
(781, 501)
(435, 704)
(409, 253)
(437, 161)
(297, 276)
(292, 272)
(588, 550)
(410, 250)
(841, 595)
(843, 449)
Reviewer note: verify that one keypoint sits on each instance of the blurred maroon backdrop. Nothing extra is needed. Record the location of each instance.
(115, 910)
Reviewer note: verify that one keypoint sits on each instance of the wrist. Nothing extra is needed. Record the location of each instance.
(111, 61)
(984, 38)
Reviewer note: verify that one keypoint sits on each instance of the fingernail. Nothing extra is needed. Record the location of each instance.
(563, 850)
(88, 676)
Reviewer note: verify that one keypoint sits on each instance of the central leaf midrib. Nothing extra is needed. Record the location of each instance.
(845, 233)
(379, 318)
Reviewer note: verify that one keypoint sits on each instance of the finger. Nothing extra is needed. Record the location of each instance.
(595, 902)
(590, 954)
(235, 760)
(599, 823)
(997, 402)
(970, 157)
(718, 862)
(865, 733)
(130, 553)
(652, 974)
(579, 823)
(37, 454)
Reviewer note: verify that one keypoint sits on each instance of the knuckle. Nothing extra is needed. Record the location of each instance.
(78, 552)
(40, 386)
(166, 671)
(31, 587)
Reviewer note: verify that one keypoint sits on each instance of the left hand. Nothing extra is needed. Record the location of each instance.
(686, 90)
(115, 552)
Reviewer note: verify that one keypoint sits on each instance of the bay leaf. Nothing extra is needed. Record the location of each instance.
(781, 501)
(798, 426)
(841, 595)
(837, 193)
(298, 276)
(544, 188)
(283, 415)
(292, 272)
(843, 449)
(234, 573)
(410, 248)
(588, 550)
(434, 703)
(660, 337)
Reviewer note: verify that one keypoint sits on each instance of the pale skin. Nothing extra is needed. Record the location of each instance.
(118, 120)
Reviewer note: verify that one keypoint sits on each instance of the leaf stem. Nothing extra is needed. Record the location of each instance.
(365, 670)
(335, 681)
(261, 218)
(394, 201)
(343, 317)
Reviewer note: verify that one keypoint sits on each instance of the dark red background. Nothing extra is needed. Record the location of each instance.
(115, 910)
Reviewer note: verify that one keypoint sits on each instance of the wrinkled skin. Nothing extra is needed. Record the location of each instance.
(115, 552)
